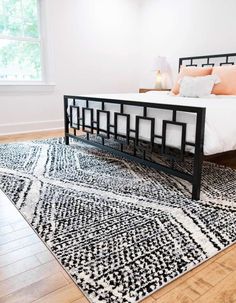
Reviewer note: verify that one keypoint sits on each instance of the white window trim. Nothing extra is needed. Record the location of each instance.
(47, 74)
(20, 38)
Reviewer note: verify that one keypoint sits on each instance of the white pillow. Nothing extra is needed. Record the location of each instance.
(197, 87)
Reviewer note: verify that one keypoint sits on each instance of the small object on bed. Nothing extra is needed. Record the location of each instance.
(192, 72)
(227, 75)
(197, 87)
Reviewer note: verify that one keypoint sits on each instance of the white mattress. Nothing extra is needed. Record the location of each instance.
(220, 127)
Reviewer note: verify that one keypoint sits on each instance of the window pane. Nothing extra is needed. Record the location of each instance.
(2, 23)
(20, 61)
(30, 15)
(19, 18)
(1, 7)
(12, 10)
(31, 30)
(2, 17)
(13, 26)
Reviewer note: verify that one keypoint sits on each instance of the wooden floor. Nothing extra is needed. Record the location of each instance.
(29, 272)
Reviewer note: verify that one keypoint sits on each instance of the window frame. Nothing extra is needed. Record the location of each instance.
(7, 85)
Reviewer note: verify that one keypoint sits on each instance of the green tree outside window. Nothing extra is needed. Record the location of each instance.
(20, 47)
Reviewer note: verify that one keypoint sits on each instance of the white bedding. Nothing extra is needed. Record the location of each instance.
(220, 127)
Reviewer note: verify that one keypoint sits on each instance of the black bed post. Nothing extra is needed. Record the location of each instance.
(66, 120)
(180, 64)
(198, 155)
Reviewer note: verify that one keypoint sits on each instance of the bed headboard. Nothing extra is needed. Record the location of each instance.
(210, 60)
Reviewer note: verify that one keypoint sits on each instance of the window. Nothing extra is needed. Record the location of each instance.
(20, 44)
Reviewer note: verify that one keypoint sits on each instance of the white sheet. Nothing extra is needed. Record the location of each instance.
(220, 127)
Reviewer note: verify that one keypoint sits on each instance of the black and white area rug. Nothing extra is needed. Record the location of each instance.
(120, 229)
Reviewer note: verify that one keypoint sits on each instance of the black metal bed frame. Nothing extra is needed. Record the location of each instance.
(132, 136)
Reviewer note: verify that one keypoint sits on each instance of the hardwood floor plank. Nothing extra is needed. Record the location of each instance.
(25, 279)
(8, 212)
(45, 257)
(148, 300)
(31, 136)
(17, 244)
(67, 276)
(21, 224)
(81, 300)
(177, 295)
(204, 280)
(4, 200)
(9, 220)
(36, 290)
(213, 274)
(176, 283)
(6, 229)
(22, 253)
(67, 294)
(7, 209)
(223, 292)
(228, 260)
(18, 267)
(15, 235)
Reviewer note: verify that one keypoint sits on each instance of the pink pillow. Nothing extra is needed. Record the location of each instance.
(227, 75)
(192, 72)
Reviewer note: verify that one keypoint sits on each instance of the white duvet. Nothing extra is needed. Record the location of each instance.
(220, 127)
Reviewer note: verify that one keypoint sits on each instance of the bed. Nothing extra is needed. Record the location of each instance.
(157, 129)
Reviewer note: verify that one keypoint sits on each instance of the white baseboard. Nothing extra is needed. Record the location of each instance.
(27, 127)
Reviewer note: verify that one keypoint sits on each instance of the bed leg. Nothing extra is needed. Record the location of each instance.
(66, 121)
(196, 191)
(197, 176)
(66, 139)
(198, 155)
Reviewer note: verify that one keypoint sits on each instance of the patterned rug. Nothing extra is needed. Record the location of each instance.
(121, 230)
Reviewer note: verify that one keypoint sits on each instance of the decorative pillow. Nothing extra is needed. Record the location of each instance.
(227, 75)
(197, 87)
(190, 71)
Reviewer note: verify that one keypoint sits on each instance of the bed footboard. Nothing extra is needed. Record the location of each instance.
(118, 126)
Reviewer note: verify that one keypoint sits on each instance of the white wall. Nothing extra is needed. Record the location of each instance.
(94, 51)
(185, 28)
